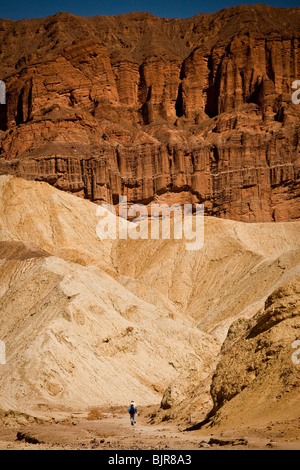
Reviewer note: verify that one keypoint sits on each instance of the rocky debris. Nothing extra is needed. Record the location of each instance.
(27, 438)
(12, 418)
(271, 444)
(204, 444)
(193, 110)
(228, 442)
(214, 441)
(95, 443)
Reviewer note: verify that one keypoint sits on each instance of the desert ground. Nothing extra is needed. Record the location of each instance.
(110, 429)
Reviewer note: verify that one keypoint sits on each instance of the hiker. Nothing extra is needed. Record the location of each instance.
(132, 412)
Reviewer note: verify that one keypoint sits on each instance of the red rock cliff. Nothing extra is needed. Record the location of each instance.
(194, 110)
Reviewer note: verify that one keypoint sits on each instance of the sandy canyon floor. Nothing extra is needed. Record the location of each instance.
(110, 429)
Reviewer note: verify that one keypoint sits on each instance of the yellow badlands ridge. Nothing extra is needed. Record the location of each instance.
(89, 322)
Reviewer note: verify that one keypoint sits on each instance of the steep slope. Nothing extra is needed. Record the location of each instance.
(76, 338)
(257, 380)
(239, 265)
(195, 110)
(53, 221)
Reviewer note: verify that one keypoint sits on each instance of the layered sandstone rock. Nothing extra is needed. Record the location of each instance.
(195, 110)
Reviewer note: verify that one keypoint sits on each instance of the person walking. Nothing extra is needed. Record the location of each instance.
(132, 412)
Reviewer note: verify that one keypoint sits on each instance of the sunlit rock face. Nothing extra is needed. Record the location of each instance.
(177, 110)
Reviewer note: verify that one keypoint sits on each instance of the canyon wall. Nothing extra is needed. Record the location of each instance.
(195, 110)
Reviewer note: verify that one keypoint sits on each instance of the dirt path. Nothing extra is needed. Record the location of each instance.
(112, 431)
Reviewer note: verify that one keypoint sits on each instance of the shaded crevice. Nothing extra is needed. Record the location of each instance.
(144, 95)
(20, 114)
(269, 67)
(213, 90)
(3, 117)
(179, 102)
(145, 107)
(118, 158)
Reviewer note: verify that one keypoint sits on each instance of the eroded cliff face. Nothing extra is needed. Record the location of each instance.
(195, 110)
(257, 378)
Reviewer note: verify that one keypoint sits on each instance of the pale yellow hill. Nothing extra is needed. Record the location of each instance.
(89, 321)
(76, 338)
(239, 265)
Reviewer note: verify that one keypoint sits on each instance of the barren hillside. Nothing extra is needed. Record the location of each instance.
(257, 380)
(92, 322)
